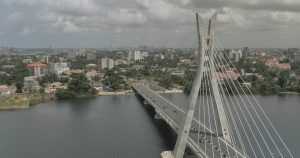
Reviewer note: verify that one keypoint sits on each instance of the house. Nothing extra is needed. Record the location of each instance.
(53, 87)
(274, 64)
(31, 83)
(6, 90)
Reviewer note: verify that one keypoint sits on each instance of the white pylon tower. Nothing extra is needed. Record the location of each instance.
(206, 64)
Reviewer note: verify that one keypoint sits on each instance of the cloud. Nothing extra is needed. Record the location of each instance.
(152, 21)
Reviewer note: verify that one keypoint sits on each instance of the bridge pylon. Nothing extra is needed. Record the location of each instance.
(205, 64)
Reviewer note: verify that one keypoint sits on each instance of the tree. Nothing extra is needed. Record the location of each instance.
(80, 85)
(283, 79)
(96, 78)
(49, 78)
(65, 94)
(166, 81)
(19, 87)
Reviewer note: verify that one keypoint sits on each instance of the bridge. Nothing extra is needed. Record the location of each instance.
(229, 122)
(173, 115)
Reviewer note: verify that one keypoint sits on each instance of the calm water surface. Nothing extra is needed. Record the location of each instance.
(113, 127)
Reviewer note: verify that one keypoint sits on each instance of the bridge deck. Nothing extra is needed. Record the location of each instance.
(200, 142)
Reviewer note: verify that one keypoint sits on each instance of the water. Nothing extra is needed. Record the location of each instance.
(112, 127)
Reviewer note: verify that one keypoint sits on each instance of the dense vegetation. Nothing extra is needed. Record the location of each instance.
(78, 86)
(113, 81)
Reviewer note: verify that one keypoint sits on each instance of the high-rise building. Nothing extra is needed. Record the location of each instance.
(37, 69)
(136, 55)
(110, 64)
(105, 63)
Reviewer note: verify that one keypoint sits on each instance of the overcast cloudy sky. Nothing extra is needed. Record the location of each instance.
(170, 23)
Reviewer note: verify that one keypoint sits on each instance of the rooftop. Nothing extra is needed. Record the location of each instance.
(36, 65)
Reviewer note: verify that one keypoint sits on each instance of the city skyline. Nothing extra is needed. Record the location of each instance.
(105, 23)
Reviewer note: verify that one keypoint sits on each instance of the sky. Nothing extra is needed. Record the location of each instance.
(168, 23)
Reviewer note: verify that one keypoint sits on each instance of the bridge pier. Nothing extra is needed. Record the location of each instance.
(157, 117)
(167, 154)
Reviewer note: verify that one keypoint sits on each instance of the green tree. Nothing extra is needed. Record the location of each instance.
(65, 94)
(19, 87)
(283, 79)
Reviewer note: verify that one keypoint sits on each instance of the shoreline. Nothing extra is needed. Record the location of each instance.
(23, 107)
(295, 93)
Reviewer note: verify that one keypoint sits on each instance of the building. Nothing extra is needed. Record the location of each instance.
(37, 69)
(144, 55)
(134, 55)
(185, 61)
(110, 64)
(246, 50)
(234, 55)
(27, 61)
(44, 59)
(121, 62)
(31, 84)
(90, 56)
(59, 67)
(6, 90)
(274, 64)
(53, 87)
(105, 63)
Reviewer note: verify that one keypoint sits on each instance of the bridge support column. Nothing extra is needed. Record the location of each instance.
(158, 117)
(167, 154)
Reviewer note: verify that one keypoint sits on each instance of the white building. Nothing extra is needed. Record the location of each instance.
(234, 56)
(106, 63)
(59, 68)
(144, 55)
(110, 64)
(134, 55)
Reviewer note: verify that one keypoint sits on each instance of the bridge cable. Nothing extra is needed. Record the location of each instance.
(230, 117)
(240, 120)
(229, 108)
(212, 103)
(271, 138)
(244, 115)
(208, 111)
(267, 118)
(266, 130)
(212, 70)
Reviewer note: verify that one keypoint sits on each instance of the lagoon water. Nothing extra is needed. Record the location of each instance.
(113, 127)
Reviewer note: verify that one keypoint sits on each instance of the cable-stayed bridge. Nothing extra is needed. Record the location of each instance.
(223, 118)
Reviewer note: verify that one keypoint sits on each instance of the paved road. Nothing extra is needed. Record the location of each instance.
(204, 143)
